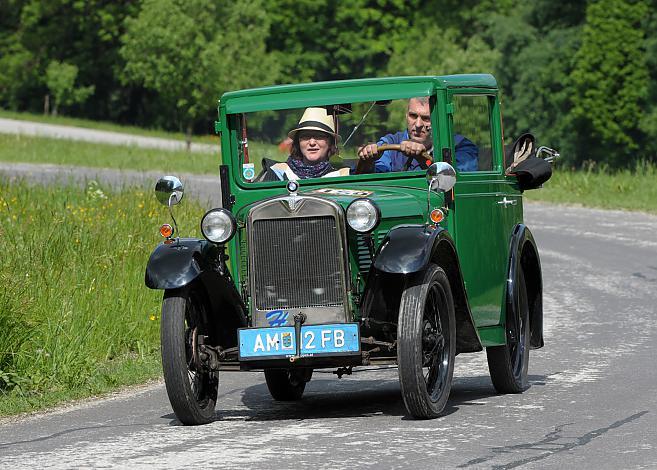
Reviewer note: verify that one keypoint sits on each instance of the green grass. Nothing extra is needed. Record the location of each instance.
(104, 126)
(19, 148)
(75, 317)
(634, 189)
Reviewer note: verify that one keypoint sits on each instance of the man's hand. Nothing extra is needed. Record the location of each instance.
(368, 152)
(411, 148)
(366, 156)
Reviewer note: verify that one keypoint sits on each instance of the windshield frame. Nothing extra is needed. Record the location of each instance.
(234, 137)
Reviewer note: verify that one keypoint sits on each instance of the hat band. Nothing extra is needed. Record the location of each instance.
(321, 125)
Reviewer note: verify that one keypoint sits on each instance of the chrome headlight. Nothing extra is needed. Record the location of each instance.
(218, 225)
(363, 215)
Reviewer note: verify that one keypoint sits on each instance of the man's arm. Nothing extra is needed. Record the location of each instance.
(368, 153)
(467, 154)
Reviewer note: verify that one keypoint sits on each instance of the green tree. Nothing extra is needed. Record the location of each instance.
(16, 74)
(336, 39)
(610, 81)
(648, 120)
(299, 46)
(192, 60)
(60, 79)
(18, 71)
(85, 34)
(535, 63)
(540, 92)
(445, 56)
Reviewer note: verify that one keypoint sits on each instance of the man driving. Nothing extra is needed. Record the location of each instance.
(415, 140)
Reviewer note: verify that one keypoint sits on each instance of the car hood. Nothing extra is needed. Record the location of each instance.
(394, 203)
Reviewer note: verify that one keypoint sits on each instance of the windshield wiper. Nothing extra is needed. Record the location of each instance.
(359, 124)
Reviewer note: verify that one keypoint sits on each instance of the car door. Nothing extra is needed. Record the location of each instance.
(485, 205)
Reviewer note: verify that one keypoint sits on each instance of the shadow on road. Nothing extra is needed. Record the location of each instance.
(348, 398)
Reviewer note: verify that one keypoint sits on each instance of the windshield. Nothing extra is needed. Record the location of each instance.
(325, 141)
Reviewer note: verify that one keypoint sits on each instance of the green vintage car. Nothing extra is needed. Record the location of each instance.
(368, 264)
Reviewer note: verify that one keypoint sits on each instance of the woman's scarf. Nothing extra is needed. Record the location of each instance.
(303, 170)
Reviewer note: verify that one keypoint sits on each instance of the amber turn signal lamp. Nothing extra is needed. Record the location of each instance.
(436, 216)
(166, 230)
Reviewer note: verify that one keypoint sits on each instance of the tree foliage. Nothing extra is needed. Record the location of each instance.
(60, 79)
(191, 61)
(611, 87)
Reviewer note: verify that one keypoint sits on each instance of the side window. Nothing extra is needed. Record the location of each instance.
(472, 133)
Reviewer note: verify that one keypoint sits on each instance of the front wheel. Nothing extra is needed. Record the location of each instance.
(426, 342)
(509, 364)
(192, 389)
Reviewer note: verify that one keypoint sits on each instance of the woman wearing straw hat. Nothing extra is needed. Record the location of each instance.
(313, 143)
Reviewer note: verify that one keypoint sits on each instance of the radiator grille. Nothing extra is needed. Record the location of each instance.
(297, 263)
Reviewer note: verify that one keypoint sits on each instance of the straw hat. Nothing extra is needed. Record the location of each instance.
(316, 119)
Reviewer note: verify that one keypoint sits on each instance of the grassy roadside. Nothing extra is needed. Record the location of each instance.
(634, 189)
(75, 316)
(19, 148)
(103, 126)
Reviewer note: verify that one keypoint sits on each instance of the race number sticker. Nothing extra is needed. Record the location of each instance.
(342, 192)
(248, 171)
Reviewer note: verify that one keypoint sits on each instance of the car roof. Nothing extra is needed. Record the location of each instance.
(347, 91)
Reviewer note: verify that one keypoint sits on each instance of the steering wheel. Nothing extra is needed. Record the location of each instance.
(424, 159)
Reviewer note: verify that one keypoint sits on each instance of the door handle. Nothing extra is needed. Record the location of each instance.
(506, 202)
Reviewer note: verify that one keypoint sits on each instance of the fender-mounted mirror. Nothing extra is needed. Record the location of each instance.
(441, 176)
(169, 190)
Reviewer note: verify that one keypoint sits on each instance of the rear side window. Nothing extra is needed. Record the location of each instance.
(472, 133)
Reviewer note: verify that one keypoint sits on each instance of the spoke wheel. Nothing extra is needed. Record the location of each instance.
(192, 389)
(509, 364)
(426, 336)
(287, 384)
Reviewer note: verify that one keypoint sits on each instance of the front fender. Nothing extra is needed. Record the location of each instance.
(407, 249)
(176, 264)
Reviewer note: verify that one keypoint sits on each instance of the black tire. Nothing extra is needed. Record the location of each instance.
(287, 384)
(192, 390)
(509, 364)
(426, 342)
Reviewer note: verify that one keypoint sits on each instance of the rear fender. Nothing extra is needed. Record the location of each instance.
(405, 250)
(524, 253)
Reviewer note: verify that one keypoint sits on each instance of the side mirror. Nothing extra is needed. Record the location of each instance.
(169, 190)
(441, 177)
(547, 154)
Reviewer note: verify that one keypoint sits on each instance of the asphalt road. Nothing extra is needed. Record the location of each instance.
(592, 401)
(203, 188)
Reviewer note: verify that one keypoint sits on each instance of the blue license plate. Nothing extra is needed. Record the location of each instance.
(316, 340)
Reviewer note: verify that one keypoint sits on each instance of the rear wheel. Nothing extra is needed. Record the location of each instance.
(192, 389)
(426, 342)
(287, 384)
(509, 364)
